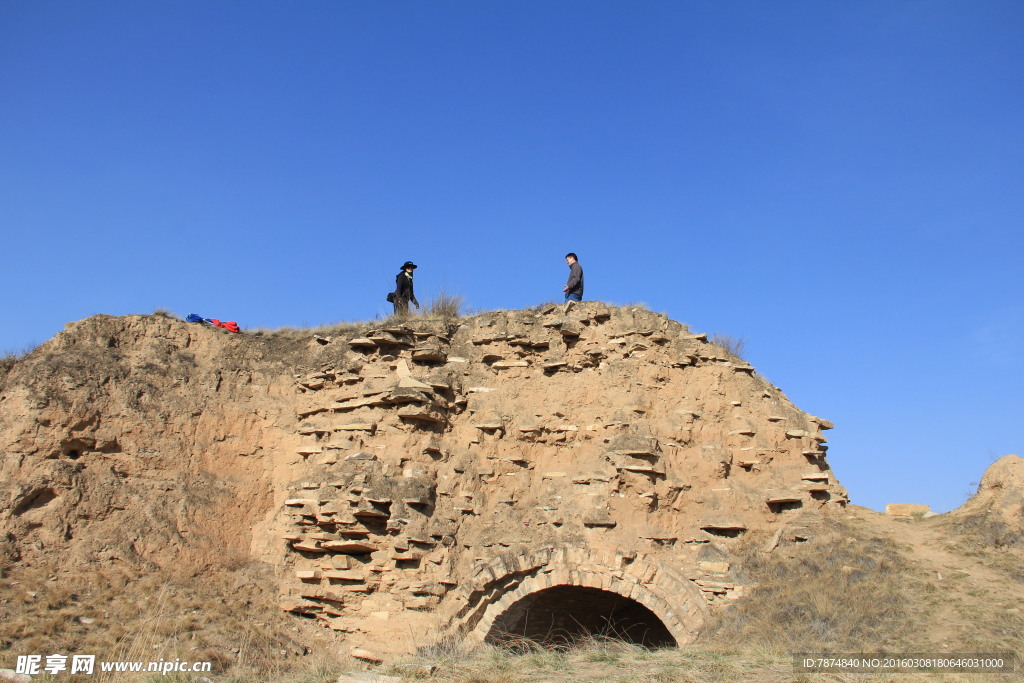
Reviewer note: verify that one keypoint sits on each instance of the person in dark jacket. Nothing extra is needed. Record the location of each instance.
(403, 289)
(574, 287)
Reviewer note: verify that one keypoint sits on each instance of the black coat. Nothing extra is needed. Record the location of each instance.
(403, 288)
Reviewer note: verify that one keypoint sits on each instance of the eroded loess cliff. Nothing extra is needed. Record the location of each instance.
(136, 438)
(418, 476)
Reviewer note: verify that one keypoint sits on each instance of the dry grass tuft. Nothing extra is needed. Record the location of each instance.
(338, 329)
(7, 362)
(444, 305)
(633, 305)
(9, 358)
(734, 345)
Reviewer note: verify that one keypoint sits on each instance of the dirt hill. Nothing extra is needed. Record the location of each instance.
(371, 489)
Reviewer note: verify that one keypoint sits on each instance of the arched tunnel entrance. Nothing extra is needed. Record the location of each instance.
(561, 615)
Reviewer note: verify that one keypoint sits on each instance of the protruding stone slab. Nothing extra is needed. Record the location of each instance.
(308, 546)
(356, 427)
(312, 429)
(429, 354)
(642, 469)
(410, 383)
(408, 395)
(503, 364)
(348, 547)
(344, 574)
(636, 446)
(384, 338)
(684, 359)
(723, 525)
(299, 502)
(361, 455)
(570, 329)
(778, 497)
(536, 344)
(907, 509)
(823, 423)
(366, 655)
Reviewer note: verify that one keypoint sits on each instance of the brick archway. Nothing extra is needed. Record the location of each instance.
(507, 579)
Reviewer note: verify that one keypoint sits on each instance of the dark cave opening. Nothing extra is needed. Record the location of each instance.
(563, 615)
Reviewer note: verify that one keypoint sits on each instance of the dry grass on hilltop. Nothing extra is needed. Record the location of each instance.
(443, 307)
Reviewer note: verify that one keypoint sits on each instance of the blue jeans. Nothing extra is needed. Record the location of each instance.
(573, 297)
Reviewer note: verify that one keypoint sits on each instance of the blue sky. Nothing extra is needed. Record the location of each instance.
(837, 183)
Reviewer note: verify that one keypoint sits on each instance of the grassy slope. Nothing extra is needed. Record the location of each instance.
(864, 584)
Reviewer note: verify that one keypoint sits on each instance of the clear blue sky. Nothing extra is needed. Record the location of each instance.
(839, 183)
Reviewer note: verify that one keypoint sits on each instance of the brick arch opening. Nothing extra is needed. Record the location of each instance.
(496, 587)
(562, 615)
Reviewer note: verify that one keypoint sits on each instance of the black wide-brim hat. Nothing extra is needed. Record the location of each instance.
(408, 264)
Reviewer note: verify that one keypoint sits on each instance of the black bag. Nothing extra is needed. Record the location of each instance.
(391, 297)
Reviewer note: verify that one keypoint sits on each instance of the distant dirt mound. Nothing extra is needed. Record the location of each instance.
(1000, 493)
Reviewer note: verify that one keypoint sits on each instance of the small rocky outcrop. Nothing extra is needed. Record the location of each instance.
(1000, 494)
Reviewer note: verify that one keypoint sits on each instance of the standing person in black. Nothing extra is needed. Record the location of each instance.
(403, 289)
(574, 287)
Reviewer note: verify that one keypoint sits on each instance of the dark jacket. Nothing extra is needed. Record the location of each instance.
(403, 288)
(575, 283)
